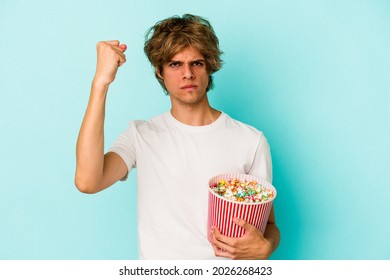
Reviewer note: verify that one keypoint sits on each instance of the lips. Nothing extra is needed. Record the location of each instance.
(190, 86)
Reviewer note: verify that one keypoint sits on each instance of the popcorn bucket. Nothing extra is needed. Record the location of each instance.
(222, 210)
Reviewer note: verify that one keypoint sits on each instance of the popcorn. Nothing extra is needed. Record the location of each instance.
(242, 190)
(243, 196)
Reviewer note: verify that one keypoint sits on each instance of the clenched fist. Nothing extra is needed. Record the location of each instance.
(110, 56)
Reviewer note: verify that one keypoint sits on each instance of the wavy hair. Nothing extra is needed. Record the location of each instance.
(169, 36)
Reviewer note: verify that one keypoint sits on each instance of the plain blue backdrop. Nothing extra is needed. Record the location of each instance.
(314, 76)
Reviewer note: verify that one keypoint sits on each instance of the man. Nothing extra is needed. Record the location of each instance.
(175, 153)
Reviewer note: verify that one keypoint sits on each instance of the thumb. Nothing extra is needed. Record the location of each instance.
(242, 223)
(123, 47)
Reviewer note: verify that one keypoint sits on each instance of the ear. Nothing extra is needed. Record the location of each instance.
(158, 73)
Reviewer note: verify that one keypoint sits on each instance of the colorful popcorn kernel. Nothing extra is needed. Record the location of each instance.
(242, 190)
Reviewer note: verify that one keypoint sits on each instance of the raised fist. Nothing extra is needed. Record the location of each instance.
(110, 56)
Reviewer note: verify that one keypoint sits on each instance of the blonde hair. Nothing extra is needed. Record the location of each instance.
(168, 37)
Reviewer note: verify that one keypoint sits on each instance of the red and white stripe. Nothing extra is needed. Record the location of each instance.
(222, 211)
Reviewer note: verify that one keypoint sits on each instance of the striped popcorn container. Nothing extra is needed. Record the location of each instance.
(222, 211)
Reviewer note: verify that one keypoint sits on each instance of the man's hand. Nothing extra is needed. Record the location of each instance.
(110, 56)
(252, 245)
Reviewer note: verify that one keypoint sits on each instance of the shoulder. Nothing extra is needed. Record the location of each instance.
(240, 127)
(153, 124)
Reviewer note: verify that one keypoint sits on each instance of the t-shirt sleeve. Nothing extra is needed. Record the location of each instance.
(125, 147)
(262, 162)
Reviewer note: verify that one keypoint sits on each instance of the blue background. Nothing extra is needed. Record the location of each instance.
(312, 75)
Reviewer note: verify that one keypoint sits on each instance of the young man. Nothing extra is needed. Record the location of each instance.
(175, 153)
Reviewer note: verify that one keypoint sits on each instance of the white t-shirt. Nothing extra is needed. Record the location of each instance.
(174, 163)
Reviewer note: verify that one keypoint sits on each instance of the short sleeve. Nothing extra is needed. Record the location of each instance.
(125, 146)
(262, 162)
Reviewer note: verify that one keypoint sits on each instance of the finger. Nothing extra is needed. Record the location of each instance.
(119, 55)
(114, 43)
(221, 253)
(121, 60)
(244, 224)
(218, 247)
(222, 241)
(223, 238)
(121, 48)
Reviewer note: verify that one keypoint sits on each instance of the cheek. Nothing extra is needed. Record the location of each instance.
(169, 78)
(170, 81)
(205, 79)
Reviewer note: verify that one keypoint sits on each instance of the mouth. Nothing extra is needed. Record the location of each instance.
(190, 86)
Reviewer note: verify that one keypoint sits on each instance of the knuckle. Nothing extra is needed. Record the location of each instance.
(99, 44)
(217, 252)
(234, 254)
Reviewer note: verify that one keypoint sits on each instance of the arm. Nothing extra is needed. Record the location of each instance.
(252, 245)
(94, 170)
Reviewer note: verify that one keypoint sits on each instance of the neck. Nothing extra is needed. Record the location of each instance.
(195, 116)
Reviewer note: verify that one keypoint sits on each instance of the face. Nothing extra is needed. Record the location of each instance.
(186, 77)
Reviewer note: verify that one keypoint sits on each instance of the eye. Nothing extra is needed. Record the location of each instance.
(174, 64)
(198, 63)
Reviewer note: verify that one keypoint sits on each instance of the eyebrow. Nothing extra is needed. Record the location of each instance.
(192, 61)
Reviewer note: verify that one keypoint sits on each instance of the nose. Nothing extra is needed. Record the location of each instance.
(188, 72)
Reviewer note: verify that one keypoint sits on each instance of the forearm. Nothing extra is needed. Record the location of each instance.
(272, 234)
(90, 142)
